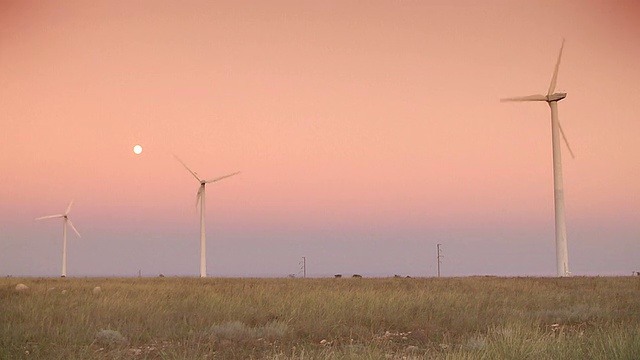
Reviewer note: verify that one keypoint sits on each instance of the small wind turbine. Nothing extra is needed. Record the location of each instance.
(552, 98)
(66, 220)
(200, 199)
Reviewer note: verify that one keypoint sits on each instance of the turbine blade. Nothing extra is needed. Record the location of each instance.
(68, 208)
(186, 167)
(73, 227)
(566, 141)
(199, 196)
(554, 79)
(51, 217)
(526, 98)
(221, 177)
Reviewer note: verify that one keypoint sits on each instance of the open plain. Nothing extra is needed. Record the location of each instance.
(293, 318)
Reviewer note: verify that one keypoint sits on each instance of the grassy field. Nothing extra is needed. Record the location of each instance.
(350, 318)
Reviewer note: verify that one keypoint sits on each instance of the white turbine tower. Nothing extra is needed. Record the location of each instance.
(200, 199)
(552, 98)
(65, 220)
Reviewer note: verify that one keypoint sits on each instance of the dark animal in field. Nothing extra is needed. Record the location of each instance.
(357, 276)
(337, 276)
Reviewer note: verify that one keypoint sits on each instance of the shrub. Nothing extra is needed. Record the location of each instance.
(108, 338)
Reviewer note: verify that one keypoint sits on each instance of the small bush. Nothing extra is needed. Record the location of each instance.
(109, 338)
(238, 331)
(274, 330)
(234, 330)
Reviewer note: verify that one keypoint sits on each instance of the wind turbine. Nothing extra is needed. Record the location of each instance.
(66, 220)
(200, 199)
(552, 98)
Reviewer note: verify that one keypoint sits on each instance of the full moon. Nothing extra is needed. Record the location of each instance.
(137, 149)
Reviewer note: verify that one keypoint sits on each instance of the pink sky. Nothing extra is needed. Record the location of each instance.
(366, 133)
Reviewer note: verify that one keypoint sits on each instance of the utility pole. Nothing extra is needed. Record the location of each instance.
(439, 257)
(304, 267)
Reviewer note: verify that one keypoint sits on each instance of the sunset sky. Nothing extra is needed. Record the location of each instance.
(367, 132)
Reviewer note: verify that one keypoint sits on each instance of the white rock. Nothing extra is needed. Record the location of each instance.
(21, 287)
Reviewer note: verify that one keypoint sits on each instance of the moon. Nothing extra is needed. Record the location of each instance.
(137, 149)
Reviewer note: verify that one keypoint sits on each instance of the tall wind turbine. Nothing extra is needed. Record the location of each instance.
(552, 98)
(200, 199)
(65, 220)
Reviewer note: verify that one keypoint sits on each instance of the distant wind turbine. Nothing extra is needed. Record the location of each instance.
(66, 220)
(201, 200)
(552, 98)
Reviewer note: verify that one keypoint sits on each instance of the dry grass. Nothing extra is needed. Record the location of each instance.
(394, 318)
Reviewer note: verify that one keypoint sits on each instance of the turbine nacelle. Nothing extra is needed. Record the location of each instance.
(556, 97)
(546, 98)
